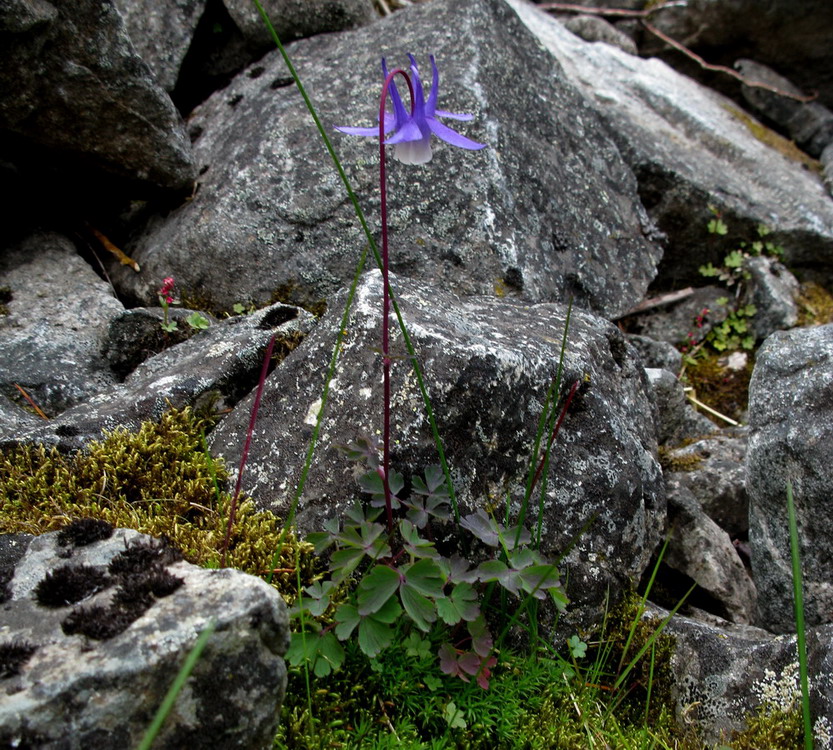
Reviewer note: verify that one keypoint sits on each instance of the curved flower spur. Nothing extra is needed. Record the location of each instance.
(412, 132)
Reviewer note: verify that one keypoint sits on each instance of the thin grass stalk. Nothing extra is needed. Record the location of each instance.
(307, 684)
(302, 480)
(264, 370)
(376, 254)
(798, 599)
(177, 685)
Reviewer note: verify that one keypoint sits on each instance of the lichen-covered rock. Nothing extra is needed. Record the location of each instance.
(54, 327)
(98, 628)
(677, 418)
(724, 673)
(773, 290)
(548, 210)
(791, 439)
(702, 551)
(161, 32)
(293, 19)
(72, 84)
(487, 365)
(215, 367)
(691, 148)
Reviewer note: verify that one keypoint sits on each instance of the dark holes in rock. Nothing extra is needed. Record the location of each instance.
(278, 316)
(257, 71)
(281, 82)
(66, 430)
(13, 656)
(235, 100)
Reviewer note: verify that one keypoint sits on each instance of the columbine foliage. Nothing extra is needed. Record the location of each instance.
(404, 577)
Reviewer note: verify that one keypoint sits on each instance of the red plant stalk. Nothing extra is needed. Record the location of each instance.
(252, 420)
(386, 292)
(570, 396)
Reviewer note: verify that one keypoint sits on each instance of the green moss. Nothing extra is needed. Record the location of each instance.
(723, 389)
(158, 481)
(773, 729)
(671, 460)
(772, 139)
(815, 305)
(291, 293)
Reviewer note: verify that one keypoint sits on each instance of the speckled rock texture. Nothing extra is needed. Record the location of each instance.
(690, 148)
(271, 214)
(791, 439)
(56, 315)
(724, 672)
(488, 364)
(103, 629)
(72, 84)
(215, 366)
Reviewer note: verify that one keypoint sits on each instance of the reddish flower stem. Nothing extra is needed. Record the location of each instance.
(386, 293)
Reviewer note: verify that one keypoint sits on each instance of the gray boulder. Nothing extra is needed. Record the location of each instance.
(703, 551)
(691, 148)
(794, 38)
(72, 84)
(725, 672)
(55, 325)
(596, 29)
(100, 630)
(677, 418)
(715, 475)
(774, 291)
(487, 364)
(791, 439)
(214, 368)
(809, 124)
(548, 210)
(161, 32)
(293, 19)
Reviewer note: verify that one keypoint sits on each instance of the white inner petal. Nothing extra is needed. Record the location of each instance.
(413, 152)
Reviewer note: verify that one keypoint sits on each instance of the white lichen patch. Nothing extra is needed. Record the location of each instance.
(779, 692)
(312, 413)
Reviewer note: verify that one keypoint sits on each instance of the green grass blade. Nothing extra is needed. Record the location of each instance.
(375, 250)
(798, 598)
(177, 685)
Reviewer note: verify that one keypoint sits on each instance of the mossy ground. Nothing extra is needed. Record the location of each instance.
(159, 481)
(723, 389)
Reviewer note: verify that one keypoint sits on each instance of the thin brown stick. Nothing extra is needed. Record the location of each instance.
(124, 259)
(31, 402)
(723, 69)
(659, 301)
(642, 15)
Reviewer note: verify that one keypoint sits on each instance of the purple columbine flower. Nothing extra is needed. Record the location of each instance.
(412, 132)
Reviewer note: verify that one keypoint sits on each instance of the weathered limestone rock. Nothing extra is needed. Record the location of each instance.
(71, 83)
(487, 364)
(55, 325)
(677, 419)
(791, 439)
(101, 630)
(691, 148)
(548, 210)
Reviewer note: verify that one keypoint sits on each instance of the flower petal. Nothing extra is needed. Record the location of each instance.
(431, 104)
(400, 114)
(357, 131)
(410, 131)
(453, 137)
(413, 152)
(453, 115)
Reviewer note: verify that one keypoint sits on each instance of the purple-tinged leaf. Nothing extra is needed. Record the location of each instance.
(481, 638)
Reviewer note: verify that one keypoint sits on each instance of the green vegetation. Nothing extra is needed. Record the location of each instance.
(158, 481)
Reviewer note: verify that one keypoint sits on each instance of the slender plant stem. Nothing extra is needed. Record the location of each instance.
(383, 194)
(244, 458)
(177, 685)
(798, 598)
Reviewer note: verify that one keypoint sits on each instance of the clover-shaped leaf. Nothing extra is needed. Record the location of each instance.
(317, 601)
(363, 449)
(490, 532)
(578, 648)
(417, 646)
(461, 604)
(454, 716)
(428, 498)
(373, 484)
(414, 544)
(376, 588)
(375, 632)
(321, 650)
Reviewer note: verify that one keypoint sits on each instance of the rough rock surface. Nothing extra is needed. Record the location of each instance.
(690, 148)
(791, 439)
(101, 688)
(161, 32)
(488, 364)
(72, 84)
(677, 419)
(794, 38)
(723, 672)
(773, 290)
(271, 215)
(55, 324)
(293, 19)
(217, 365)
(701, 550)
